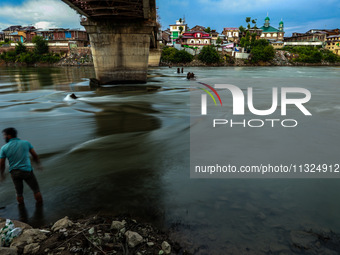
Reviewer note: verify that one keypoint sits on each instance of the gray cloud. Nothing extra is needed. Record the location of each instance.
(40, 12)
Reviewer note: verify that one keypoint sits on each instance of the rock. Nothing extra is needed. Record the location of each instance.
(303, 239)
(166, 247)
(133, 238)
(150, 244)
(8, 251)
(62, 223)
(32, 248)
(91, 231)
(28, 236)
(118, 225)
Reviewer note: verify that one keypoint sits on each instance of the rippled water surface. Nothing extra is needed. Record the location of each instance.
(110, 152)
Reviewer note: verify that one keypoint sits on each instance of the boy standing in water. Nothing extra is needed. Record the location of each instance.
(17, 152)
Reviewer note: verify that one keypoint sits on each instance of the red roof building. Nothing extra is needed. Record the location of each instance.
(195, 38)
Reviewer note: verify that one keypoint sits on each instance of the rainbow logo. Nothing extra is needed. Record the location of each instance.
(211, 95)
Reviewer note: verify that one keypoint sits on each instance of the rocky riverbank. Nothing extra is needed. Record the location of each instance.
(94, 235)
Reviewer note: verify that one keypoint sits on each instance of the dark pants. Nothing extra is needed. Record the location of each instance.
(18, 176)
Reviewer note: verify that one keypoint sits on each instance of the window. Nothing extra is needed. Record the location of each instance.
(268, 35)
(192, 41)
(198, 35)
(206, 41)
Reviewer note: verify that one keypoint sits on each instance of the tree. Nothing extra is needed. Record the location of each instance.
(181, 29)
(209, 55)
(180, 20)
(254, 21)
(218, 41)
(262, 51)
(20, 48)
(41, 46)
(207, 30)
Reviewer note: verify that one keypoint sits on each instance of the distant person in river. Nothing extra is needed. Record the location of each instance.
(17, 152)
(190, 76)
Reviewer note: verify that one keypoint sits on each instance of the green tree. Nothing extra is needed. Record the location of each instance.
(207, 30)
(41, 46)
(167, 54)
(181, 56)
(173, 55)
(254, 21)
(20, 48)
(181, 29)
(248, 19)
(218, 41)
(262, 51)
(209, 55)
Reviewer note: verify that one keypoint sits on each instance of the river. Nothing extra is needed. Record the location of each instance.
(128, 153)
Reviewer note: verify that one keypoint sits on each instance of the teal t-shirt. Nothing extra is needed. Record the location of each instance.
(17, 153)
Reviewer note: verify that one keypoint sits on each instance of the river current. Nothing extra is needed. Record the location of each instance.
(128, 153)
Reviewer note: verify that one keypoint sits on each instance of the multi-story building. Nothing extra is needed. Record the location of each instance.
(333, 43)
(10, 30)
(177, 29)
(272, 33)
(195, 38)
(214, 35)
(313, 37)
(232, 34)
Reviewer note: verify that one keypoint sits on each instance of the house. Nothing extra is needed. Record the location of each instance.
(333, 44)
(166, 37)
(195, 38)
(232, 34)
(272, 33)
(313, 37)
(214, 35)
(177, 29)
(75, 37)
(23, 34)
(10, 30)
(198, 28)
(2, 36)
(277, 44)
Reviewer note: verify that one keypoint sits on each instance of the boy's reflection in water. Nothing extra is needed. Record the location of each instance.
(38, 217)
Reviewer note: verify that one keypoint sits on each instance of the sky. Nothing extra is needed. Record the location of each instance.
(298, 15)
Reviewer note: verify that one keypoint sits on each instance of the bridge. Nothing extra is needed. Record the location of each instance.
(121, 34)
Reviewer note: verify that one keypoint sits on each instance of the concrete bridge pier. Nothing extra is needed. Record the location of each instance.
(120, 50)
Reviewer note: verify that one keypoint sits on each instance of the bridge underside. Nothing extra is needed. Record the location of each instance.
(121, 33)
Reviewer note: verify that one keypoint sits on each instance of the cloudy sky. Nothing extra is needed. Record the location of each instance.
(298, 15)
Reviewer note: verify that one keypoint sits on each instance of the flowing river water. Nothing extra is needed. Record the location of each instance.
(128, 153)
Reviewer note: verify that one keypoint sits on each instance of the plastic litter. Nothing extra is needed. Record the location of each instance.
(8, 232)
